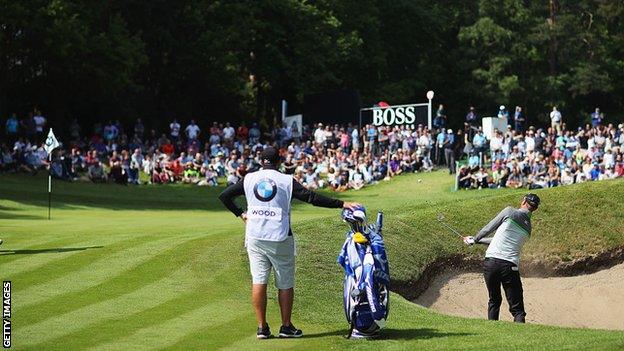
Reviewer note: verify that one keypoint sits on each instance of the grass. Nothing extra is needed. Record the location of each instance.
(163, 267)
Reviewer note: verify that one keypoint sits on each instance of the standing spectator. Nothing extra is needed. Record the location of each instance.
(29, 127)
(242, 132)
(440, 141)
(371, 135)
(215, 134)
(502, 112)
(319, 135)
(12, 128)
(110, 132)
(471, 117)
(139, 129)
(449, 151)
(555, 119)
(174, 130)
(192, 130)
(440, 120)
(519, 119)
(596, 118)
(40, 123)
(496, 145)
(228, 135)
(355, 139)
(254, 134)
(74, 130)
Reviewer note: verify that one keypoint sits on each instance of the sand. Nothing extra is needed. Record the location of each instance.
(588, 301)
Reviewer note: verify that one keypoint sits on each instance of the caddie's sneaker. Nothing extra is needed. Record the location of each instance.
(263, 333)
(290, 332)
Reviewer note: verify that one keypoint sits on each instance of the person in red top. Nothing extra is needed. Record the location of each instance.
(242, 132)
(167, 148)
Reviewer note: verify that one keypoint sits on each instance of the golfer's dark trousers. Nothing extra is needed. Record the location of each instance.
(499, 272)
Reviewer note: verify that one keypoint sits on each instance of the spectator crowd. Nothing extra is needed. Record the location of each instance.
(338, 157)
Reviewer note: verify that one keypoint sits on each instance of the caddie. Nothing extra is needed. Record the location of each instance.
(268, 236)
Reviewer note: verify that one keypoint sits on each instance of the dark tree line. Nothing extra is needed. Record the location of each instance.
(236, 59)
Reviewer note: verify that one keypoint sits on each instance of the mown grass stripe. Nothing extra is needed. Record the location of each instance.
(192, 253)
(28, 264)
(148, 296)
(170, 331)
(95, 273)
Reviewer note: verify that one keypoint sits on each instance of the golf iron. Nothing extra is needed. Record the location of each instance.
(443, 223)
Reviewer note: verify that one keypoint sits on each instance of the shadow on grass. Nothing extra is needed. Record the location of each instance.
(417, 333)
(50, 250)
(395, 334)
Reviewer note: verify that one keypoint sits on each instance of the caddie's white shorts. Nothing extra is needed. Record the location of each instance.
(280, 255)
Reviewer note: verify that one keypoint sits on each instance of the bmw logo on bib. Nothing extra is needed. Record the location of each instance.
(265, 190)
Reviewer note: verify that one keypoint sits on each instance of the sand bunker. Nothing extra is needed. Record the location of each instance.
(591, 301)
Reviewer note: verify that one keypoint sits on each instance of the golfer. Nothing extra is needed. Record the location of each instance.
(268, 236)
(513, 229)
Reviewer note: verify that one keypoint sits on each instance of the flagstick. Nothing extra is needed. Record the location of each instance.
(49, 184)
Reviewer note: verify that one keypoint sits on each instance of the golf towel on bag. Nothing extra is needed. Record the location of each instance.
(367, 278)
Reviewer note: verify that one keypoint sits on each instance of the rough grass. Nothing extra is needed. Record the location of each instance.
(145, 268)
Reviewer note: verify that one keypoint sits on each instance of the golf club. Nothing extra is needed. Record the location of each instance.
(442, 222)
(484, 241)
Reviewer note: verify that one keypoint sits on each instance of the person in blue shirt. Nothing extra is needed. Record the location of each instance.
(595, 173)
(440, 120)
(596, 118)
(371, 134)
(471, 117)
(12, 126)
(478, 142)
(502, 112)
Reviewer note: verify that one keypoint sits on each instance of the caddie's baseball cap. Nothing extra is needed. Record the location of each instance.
(270, 155)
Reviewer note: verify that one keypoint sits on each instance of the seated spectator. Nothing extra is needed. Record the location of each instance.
(96, 173)
(117, 174)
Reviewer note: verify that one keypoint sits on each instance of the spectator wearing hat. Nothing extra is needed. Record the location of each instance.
(502, 112)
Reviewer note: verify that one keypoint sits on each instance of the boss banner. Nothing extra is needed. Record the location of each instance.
(409, 114)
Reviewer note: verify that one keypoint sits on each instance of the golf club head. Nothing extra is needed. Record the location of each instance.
(440, 217)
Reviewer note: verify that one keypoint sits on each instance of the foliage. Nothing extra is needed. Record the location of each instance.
(221, 59)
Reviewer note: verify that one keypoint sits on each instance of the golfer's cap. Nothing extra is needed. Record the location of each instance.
(270, 155)
(502, 107)
(533, 200)
(449, 131)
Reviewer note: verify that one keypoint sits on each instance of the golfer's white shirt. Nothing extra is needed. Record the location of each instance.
(268, 193)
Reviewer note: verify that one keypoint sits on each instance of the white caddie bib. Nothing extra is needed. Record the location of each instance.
(268, 193)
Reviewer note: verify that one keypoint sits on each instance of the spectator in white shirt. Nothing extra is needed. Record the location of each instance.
(192, 130)
(319, 135)
(555, 119)
(228, 132)
(174, 128)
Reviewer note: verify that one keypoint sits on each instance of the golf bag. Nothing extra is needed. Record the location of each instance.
(367, 276)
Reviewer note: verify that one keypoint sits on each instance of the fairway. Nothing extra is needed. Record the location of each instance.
(164, 268)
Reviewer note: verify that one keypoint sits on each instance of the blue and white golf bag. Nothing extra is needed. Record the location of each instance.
(367, 276)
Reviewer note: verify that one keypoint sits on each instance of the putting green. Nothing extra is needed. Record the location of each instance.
(163, 267)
